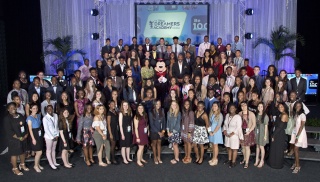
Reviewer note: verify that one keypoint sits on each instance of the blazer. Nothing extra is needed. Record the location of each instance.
(55, 95)
(176, 71)
(33, 90)
(144, 47)
(118, 84)
(106, 71)
(164, 48)
(118, 48)
(192, 49)
(70, 91)
(232, 54)
(300, 89)
(133, 46)
(107, 92)
(191, 62)
(106, 49)
(221, 48)
(121, 73)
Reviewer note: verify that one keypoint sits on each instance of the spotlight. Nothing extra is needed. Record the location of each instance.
(94, 12)
(248, 35)
(249, 11)
(95, 36)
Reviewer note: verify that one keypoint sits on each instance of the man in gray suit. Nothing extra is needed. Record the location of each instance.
(299, 85)
(116, 80)
(191, 48)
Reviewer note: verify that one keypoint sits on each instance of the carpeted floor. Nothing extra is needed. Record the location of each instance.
(310, 171)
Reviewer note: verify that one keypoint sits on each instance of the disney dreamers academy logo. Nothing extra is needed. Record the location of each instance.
(162, 24)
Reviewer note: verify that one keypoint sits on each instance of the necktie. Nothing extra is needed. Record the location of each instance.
(74, 93)
(21, 96)
(161, 49)
(175, 50)
(120, 47)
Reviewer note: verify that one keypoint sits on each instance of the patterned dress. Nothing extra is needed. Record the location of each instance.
(200, 135)
(81, 104)
(85, 131)
(187, 126)
(248, 140)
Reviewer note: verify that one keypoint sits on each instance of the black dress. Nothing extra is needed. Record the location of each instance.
(114, 125)
(127, 131)
(67, 136)
(277, 147)
(15, 126)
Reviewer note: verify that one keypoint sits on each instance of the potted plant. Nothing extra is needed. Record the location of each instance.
(282, 43)
(62, 51)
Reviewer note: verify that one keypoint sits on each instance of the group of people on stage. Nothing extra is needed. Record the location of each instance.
(144, 94)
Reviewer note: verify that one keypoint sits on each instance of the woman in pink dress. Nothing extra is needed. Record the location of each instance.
(233, 134)
(299, 135)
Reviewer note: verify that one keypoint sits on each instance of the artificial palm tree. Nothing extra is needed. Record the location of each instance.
(62, 50)
(282, 43)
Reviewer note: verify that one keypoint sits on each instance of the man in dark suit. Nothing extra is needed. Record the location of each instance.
(121, 68)
(107, 68)
(134, 44)
(107, 90)
(147, 56)
(116, 80)
(107, 48)
(147, 46)
(189, 59)
(229, 52)
(299, 85)
(61, 81)
(191, 48)
(94, 75)
(119, 47)
(55, 89)
(167, 53)
(179, 69)
(259, 79)
(36, 89)
(73, 89)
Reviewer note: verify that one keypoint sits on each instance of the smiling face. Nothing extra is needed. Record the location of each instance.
(12, 109)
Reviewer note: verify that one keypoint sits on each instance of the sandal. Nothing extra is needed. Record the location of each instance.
(214, 163)
(92, 161)
(296, 170)
(246, 165)
(17, 172)
(174, 161)
(102, 164)
(242, 162)
(88, 163)
(256, 163)
(24, 167)
(261, 164)
(37, 169)
(293, 166)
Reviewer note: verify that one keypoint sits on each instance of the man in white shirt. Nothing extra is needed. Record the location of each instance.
(203, 46)
(191, 48)
(22, 93)
(230, 79)
(85, 70)
(177, 49)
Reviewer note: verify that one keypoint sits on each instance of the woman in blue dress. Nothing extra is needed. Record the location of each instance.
(215, 134)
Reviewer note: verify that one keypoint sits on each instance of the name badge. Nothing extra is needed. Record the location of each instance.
(209, 129)
(104, 132)
(128, 128)
(247, 130)
(22, 129)
(70, 135)
(257, 131)
(145, 130)
(39, 132)
(294, 131)
(182, 127)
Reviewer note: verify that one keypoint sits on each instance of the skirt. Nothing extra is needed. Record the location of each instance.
(200, 135)
(175, 138)
(249, 140)
(38, 136)
(87, 137)
(154, 136)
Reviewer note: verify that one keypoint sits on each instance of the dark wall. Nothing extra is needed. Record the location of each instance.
(308, 26)
(23, 35)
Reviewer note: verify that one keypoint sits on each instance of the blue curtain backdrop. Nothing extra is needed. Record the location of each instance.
(116, 20)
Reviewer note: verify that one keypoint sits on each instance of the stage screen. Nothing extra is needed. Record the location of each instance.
(48, 78)
(168, 20)
(312, 82)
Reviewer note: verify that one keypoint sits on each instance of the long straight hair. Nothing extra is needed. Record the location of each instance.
(217, 113)
(175, 113)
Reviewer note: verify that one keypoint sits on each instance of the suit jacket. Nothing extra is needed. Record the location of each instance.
(121, 73)
(55, 95)
(192, 49)
(32, 90)
(141, 55)
(133, 46)
(62, 83)
(70, 91)
(107, 92)
(98, 83)
(221, 48)
(118, 84)
(144, 46)
(191, 62)
(106, 48)
(259, 82)
(159, 48)
(107, 70)
(232, 54)
(118, 48)
(301, 88)
(176, 71)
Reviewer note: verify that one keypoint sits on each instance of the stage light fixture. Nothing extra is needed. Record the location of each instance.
(95, 36)
(94, 12)
(248, 35)
(249, 11)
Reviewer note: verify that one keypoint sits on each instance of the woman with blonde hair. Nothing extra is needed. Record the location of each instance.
(125, 125)
(100, 134)
(173, 129)
(215, 133)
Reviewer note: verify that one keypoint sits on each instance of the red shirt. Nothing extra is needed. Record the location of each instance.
(250, 72)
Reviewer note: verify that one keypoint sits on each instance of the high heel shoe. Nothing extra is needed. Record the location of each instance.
(40, 167)
(92, 161)
(67, 167)
(196, 161)
(102, 164)
(296, 170)
(37, 169)
(246, 165)
(256, 163)
(261, 164)
(17, 172)
(214, 163)
(88, 163)
(242, 162)
(293, 166)
(24, 167)
(140, 165)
